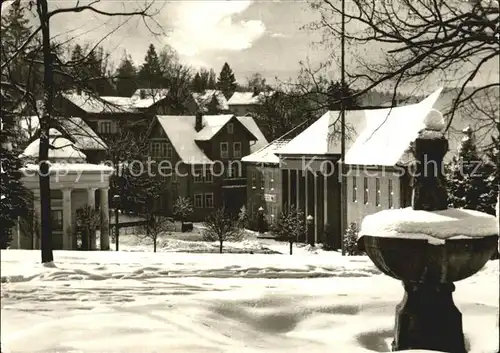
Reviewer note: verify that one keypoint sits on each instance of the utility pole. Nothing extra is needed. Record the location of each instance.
(342, 169)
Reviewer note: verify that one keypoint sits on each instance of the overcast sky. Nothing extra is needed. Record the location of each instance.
(252, 36)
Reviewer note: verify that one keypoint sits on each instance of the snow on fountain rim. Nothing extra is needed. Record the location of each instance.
(434, 226)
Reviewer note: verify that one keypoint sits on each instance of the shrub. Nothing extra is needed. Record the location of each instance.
(351, 241)
(219, 226)
(182, 209)
(243, 217)
(87, 221)
(290, 226)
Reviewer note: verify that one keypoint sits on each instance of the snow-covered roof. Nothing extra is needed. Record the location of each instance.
(251, 125)
(60, 149)
(183, 136)
(205, 98)
(248, 98)
(374, 136)
(96, 105)
(266, 154)
(71, 167)
(151, 96)
(84, 138)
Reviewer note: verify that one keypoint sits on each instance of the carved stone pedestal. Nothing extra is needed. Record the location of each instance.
(427, 318)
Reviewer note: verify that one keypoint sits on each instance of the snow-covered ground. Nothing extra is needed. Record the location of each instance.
(140, 302)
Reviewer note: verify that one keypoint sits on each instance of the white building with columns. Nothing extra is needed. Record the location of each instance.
(73, 184)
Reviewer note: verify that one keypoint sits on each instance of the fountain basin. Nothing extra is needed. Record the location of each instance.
(417, 260)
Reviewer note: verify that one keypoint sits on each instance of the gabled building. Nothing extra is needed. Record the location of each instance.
(243, 103)
(378, 144)
(75, 129)
(200, 158)
(211, 102)
(106, 117)
(264, 177)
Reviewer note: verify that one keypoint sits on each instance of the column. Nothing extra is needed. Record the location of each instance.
(91, 203)
(104, 219)
(297, 190)
(316, 208)
(306, 182)
(37, 219)
(289, 189)
(67, 242)
(325, 199)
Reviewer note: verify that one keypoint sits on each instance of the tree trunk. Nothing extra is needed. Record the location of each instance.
(48, 93)
(220, 246)
(154, 244)
(291, 248)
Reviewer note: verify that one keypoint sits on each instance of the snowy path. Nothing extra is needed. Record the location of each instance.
(136, 302)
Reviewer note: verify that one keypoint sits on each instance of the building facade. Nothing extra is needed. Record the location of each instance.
(201, 160)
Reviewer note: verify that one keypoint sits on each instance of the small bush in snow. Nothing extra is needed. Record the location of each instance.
(219, 226)
(351, 241)
(182, 209)
(290, 226)
(243, 217)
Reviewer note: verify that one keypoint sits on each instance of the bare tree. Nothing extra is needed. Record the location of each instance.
(50, 62)
(155, 226)
(221, 227)
(419, 41)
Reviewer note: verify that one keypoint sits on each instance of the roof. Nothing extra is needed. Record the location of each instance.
(82, 135)
(151, 96)
(62, 149)
(181, 133)
(247, 98)
(374, 136)
(205, 98)
(251, 125)
(266, 154)
(96, 105)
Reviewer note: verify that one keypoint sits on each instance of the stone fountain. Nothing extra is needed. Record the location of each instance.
(429, 247)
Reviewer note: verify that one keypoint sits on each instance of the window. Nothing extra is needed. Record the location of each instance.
(168, 150)
(198, 176)
(237, 150)
(209, 178)
(230, 128)
(367, 192)
(198, 200)
(104, 127)
(391, 194)
(154, 149)
(377, 192)
(224, 150)
(57, 220)
(209, 200)
(354, 189)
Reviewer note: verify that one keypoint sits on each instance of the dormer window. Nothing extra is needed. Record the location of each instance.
(230, 128)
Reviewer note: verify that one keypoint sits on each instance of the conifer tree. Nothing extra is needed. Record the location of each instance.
(126, 77)
(150, 73)
(226, 82)
(212, 79)
(197, 84)
(468, 178)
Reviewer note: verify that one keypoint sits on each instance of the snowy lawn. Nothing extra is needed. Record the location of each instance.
(133, 302)
(192, 242)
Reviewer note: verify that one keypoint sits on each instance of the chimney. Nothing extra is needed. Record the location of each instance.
(142, 94)
(198, 125)
(79, 91)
